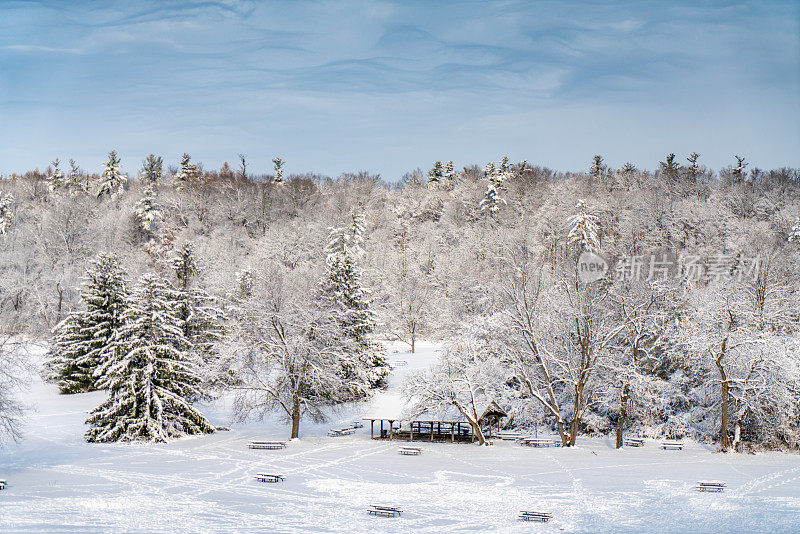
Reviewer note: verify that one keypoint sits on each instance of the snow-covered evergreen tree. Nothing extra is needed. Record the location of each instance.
(112, 181)
(7, 218)
(584, 230)
(794, 233)
(152, 169)
(436, 173)
(450, 175)
(355, 241)
(738, 169)
(74, 182)
(152, 376)
(597, 169)
(491, 201)
(200, 318)
(278, 162)
(147, 213)
(693, 170)
(505, 165)
(188, 172)
(670, 168)
(343, 297)
(56, 177)
(84, 340)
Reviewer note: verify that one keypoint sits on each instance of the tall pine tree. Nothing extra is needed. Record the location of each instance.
(84, 340)
(153, 375)
(342, 295)
(7, 218)
(200, 318)
(112, 180)
(152, 170)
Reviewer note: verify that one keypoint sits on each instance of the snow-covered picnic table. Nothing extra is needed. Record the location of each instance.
(2, 484)
(385, 511)
(672, 445)
(509, 436)
(271, 445)
(539, 442)
(717, 487)
(266, 477)
(543, 517)
(633, 442)
(336, 432)
(410, 451)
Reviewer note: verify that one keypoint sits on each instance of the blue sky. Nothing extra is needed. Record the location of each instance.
(389, 86)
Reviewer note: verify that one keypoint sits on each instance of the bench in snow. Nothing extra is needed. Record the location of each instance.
(672, 446)
(717, 487)
(542, 517)
(271, 445)
(341, 432)
(265, 477)
(410, 451)
(384, 511)
(537, 442)
(2, 484)
(633, 442)
(509, 436)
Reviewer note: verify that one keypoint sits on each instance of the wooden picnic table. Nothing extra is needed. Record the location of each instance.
(270, 445)
(633, 442)
(672, 445)
(265, 477)
(2, 484)
(543, 517)
(336, 432)
(410, 451)
(717, 487)
(384, 511)
(539, 442)
(509, 436)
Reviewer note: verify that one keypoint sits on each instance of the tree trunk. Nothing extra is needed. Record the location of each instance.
(737, 435)
(576, 418)
(296, 419)
(476, 428)
(724, 439)
(413, 337)
(623, 408)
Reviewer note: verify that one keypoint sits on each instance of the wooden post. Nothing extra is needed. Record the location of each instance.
(391, 429)
(431, 431)
(411, 425)
(453, 432)
(381, 428)
(371, 429)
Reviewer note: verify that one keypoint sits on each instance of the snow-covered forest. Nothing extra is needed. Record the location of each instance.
(168, 284)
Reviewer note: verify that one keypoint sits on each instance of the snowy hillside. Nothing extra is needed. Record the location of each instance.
(59, 483)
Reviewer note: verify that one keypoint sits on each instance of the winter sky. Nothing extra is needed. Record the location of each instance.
(387, 86)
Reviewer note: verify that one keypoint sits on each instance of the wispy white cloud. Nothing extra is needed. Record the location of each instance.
(26, 48)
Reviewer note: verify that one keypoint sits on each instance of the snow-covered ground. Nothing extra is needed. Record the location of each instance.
(59, 483)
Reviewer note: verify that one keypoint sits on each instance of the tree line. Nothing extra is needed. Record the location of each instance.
(303, 273)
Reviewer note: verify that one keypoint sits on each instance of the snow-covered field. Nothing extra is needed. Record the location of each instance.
(59, 483)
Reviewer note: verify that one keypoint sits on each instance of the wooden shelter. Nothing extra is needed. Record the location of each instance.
(419, 430)
(444, 426)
